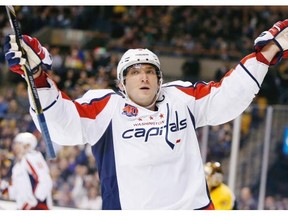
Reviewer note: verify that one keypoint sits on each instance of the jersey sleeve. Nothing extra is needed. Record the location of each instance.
(74, 122)
(215, 103)
(39, 171)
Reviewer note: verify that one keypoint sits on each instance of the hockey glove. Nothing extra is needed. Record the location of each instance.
(36, 54)
(279, 35)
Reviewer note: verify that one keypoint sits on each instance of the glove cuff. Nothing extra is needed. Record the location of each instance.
(261, 58)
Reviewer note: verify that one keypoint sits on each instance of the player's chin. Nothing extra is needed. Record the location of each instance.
(144, 100)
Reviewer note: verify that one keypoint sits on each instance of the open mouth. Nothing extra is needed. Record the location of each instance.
(144, 88)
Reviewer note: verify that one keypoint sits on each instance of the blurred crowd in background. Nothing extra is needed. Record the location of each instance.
(225, 33)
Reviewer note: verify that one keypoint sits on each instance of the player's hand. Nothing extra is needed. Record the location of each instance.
(36, 54)
(3, 186)
(279, 35)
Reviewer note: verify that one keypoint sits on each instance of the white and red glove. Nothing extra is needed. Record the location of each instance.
(36, 54)
(279, 35)
(4, 185)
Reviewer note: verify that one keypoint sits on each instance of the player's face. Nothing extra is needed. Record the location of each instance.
(18, 150)
(141, 83)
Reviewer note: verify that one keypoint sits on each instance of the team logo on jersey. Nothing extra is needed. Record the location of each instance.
(158, 129)
(130, 110)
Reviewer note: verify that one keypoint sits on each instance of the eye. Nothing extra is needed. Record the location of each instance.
(134, 72)
(151, 71)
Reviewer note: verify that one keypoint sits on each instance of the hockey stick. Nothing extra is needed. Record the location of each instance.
(31, 84)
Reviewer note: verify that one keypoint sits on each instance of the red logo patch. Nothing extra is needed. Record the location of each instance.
(130, 110)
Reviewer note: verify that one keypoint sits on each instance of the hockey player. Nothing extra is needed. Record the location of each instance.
(222, 196)
(31, 184)
(143, 138)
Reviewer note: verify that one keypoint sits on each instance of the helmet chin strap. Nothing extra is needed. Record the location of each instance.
(153, 102)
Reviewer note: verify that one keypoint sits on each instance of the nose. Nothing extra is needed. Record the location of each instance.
(144, 77)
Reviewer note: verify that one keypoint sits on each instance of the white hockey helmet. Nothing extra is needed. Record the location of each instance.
(26, 138)
(136, 56)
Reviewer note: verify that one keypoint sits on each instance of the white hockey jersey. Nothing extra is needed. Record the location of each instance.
(151, 159)
(31, 182)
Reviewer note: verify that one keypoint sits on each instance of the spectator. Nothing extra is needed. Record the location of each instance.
(222, 196)
(220, 72)
(92, 201)
(79, 191)
(246, 200)
(4, 106)
(270, 203)
(191, 69)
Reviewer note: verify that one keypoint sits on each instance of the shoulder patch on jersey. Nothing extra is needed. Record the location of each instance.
(129, 110)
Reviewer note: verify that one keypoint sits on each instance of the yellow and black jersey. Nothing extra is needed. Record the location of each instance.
(223, 198)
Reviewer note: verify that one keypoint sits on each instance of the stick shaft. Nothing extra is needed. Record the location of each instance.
(31, 84)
